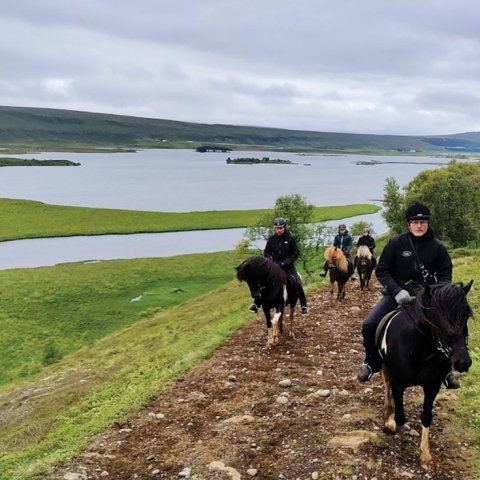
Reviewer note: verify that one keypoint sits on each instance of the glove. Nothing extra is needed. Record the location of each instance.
(403, 298)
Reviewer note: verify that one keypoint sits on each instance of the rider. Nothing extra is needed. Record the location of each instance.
(399, 272)
(367, 240)
(282, 248)
(344, 241)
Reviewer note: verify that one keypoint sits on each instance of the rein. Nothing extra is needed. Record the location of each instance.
(436, 340)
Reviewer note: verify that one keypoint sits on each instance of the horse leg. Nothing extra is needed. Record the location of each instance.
(291, 314)
(388, 405)
(275, 327)
(266, 311)
(426, 419)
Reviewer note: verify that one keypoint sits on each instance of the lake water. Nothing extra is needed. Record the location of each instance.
(184, 180)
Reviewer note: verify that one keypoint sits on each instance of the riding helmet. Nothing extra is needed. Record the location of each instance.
(417, 211)
(342, 226)
(280, 222)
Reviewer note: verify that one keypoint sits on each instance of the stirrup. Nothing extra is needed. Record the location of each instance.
(253, 308)
(365, 373)
(451, 381)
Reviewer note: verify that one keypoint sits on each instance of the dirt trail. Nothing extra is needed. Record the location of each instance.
(232, 409)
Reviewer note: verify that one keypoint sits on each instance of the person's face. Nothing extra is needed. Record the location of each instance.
(341, 231)
(418, 227)
(279, 230)
(365, 232)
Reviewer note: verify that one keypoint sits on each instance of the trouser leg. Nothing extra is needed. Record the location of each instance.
(369, 327)
(300, 292)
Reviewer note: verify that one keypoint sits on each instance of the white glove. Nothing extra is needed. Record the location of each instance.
(403, 298)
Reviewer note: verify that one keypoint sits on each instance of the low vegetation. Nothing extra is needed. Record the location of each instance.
(29, 219)
(65, 130)
(32, 162)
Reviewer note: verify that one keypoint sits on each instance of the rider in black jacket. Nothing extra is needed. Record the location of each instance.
(399, 272)
(282, 248)
(367, 240)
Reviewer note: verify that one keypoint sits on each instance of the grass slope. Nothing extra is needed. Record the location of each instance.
(29, 219)
(54, 129)
(51, 416)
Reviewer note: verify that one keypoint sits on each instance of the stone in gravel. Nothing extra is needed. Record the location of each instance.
(281, 400)
(186, 472)
(354, 440)
(323, 393)
(252, 472)
(285, 383)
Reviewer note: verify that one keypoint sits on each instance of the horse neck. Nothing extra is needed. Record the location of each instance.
(440, 322)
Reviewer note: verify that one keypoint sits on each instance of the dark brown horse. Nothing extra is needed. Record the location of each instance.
(364, 265)
(338, 270)
(270, 284)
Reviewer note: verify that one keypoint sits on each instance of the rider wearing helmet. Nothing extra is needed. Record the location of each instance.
(399, 272)
(344, 241)
(282, 248)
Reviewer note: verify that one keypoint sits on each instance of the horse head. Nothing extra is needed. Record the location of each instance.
(336, 259)
(451, 322)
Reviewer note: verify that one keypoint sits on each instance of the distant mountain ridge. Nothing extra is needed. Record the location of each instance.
(54, 128)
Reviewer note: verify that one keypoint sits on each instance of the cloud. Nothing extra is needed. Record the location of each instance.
(403, 67)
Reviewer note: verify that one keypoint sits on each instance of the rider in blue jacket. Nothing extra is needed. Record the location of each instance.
(344, 241)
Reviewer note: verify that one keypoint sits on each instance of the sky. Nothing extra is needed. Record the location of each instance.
(402, 67)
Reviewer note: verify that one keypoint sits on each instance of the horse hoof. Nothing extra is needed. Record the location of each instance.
(425, 460)
(390, 426)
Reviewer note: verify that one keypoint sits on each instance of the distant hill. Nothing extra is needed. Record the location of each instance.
(53, 128)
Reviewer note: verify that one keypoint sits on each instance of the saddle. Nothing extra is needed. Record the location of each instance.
(382, 330)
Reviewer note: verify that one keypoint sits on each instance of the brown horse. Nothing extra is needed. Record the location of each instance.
(364, 265)
(338, 270)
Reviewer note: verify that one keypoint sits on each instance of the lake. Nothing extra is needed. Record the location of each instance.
(184, 180)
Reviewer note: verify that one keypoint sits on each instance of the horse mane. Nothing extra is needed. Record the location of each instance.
(258, 267)
(364, 252)
(443, 308)
(335, 256)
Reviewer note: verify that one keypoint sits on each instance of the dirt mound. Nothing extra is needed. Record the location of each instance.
(295, 411)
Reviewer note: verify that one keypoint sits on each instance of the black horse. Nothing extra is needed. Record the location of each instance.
(274, 288)
(420, 345)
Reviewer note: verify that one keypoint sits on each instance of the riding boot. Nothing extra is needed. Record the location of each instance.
(324, 271)
(373, 362)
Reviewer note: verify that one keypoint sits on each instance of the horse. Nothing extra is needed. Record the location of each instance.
(338, 270)
(419, 345)
(364, 265)
(274, 288)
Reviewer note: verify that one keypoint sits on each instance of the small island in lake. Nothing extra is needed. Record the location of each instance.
(252, 161)
(32, 162)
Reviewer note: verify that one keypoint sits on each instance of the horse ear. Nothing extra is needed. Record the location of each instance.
(467, 287)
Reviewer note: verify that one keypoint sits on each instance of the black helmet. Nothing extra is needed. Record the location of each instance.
(417, 211)
(279, 222)
(342, 226)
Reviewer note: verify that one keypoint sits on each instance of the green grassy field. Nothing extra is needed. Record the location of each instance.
(29, 219)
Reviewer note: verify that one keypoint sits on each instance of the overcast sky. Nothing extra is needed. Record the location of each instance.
(363, 66)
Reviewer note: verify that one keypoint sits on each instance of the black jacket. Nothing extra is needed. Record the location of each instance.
(367, 240)
(398, 267)
(283, 249)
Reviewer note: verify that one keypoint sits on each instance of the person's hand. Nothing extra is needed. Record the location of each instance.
(403, 298)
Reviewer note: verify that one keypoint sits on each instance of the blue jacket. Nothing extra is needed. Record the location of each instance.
(343, 241)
